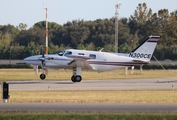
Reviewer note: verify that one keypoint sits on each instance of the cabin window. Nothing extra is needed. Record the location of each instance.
(67, 53)
(93, 56)
(80, 53)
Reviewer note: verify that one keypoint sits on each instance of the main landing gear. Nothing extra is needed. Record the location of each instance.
(76, 78)
(76, 74)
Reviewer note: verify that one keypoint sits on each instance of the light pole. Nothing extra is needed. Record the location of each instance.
(117, 6)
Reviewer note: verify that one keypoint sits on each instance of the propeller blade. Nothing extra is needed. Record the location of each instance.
(42, 51)
(43, 57)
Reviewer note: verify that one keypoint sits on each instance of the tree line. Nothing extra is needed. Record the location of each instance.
(18, 42)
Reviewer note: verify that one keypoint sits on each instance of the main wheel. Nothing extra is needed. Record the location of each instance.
(76, 78)
(73, 79)
(42, 76)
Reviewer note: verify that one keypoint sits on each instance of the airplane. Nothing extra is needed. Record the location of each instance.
(79, 60)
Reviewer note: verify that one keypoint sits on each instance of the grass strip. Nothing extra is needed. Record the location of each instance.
(95, 96)
(85, 116)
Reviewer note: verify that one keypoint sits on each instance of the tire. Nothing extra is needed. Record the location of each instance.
(73, 79)
(42, 76)
(78, 78)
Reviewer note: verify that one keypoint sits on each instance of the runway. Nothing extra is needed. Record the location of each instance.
(88, 107)
(121, 84)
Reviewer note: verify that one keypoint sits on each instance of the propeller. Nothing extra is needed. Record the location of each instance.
(42, 51)
(44, 68)
(43, 57)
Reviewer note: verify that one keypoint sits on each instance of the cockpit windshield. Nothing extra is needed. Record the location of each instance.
(61, 53)
(64, 53)
(67, 53)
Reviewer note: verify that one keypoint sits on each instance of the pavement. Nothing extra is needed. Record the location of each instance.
(121, 84)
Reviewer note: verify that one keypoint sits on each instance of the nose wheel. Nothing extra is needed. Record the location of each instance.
(42, 76)
(76, 78)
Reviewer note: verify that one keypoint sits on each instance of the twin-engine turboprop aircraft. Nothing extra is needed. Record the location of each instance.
(77, 60)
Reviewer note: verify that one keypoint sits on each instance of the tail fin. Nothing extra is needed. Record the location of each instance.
(145, 50)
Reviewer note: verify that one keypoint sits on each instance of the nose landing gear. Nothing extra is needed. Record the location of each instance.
(42, 76)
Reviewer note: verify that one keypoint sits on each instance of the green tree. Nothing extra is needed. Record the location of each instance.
(137, 22)
(35, 34)
(7, 35)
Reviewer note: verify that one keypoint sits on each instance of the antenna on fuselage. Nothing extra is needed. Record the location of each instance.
(101, 50)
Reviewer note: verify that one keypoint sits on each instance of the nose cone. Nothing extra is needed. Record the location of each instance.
(26, 59)
(33, 60)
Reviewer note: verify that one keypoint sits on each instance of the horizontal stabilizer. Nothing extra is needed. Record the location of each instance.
(21, 63)
(142, 61)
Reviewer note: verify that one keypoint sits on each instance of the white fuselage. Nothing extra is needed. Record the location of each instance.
(94, 60)
(99, 61)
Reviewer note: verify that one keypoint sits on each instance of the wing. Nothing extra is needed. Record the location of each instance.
(80, 61)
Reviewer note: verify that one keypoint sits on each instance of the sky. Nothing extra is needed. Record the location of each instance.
(61, 11)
